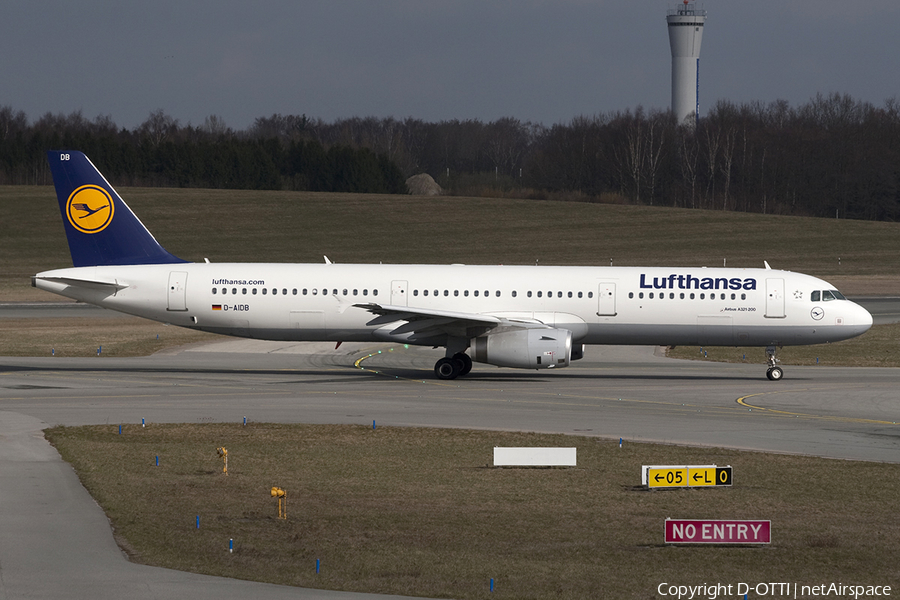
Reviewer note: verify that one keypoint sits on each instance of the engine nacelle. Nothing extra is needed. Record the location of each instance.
(524, 348)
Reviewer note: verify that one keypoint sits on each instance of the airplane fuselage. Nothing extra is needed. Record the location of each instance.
(599, 305)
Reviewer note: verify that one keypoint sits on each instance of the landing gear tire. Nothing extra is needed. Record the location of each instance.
(775, 373)
(448, 368)
(465, 362)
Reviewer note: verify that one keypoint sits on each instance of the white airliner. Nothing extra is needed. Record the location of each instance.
(511, 316)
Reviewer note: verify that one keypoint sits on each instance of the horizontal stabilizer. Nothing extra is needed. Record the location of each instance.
(85, 283)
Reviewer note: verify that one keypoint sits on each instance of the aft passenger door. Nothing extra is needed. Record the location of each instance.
(177, 287)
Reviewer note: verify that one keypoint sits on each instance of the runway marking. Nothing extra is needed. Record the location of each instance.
(742, 402)
(374, 372)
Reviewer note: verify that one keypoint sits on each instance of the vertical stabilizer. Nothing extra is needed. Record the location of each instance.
(100, 227)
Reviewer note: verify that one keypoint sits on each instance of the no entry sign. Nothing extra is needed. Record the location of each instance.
(693, 531)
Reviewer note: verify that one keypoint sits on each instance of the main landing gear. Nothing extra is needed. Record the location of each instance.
(774, 373)
(451, 367)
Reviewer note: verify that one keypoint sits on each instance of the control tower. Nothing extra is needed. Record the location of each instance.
(685, 32)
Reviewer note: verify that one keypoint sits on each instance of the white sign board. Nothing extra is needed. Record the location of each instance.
(534, 457)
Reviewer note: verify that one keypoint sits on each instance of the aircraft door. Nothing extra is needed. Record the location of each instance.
(775, 298)
(398, 293)
(606, 300)
(177, 290)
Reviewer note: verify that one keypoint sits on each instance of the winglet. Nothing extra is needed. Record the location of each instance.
(100, 227)
(765, 262)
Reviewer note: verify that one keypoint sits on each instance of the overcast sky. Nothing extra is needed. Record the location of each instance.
(545, 61)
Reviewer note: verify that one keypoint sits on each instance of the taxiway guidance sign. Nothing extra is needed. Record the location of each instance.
(654, 476)
(694, 531)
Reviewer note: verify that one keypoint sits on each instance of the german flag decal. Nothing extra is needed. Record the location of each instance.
(217, 307)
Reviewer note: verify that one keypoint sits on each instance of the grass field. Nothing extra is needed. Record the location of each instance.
(860, 257)
(878, 347)
(420, 512)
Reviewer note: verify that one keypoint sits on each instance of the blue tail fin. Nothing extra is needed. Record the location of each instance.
(100, 227)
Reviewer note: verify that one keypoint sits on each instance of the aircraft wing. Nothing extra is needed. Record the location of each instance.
(426, 323)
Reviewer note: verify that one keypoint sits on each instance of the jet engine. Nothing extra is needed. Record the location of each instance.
(524, 348)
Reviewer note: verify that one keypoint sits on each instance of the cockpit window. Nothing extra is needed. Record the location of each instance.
(832, 295)
(816, 296)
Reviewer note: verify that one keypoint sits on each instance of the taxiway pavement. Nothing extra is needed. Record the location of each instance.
(57, 540)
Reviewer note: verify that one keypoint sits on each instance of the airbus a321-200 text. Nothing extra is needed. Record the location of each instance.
(527, 317)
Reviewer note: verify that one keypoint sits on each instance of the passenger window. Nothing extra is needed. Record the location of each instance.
(415, 292)
(374, 292)
(682, 295)
(733, 296)
(244, 291)
(497, 293)
(671, 295)
(692, 295)
(294, 291)
(456, 292)
(365, 291)
(559, 294)
(514, 293)
(528, 293)
(590, 294)
(640, 294)
(284, 291)
(265, 291)
(345, 291)
(580, 294)
(224, 290)
(703, 296)
(630, 295)
(304, 291)
(424, 292)
(650, 295)
(466, 293)
(475, 293)
(356, 292)
(816, 296)
(540, 294)
(743, 296)
(446, 292)
(215, 291)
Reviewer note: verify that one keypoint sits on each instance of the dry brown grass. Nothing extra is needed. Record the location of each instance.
(417, 512)
(82, 336)
(878, 347)
(253, 226)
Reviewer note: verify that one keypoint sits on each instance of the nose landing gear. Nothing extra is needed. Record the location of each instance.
(774, 372)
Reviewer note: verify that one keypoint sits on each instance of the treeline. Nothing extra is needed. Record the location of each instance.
(163, 153)
(831, 157)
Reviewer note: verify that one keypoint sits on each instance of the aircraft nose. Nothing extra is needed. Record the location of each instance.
(862, 318)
